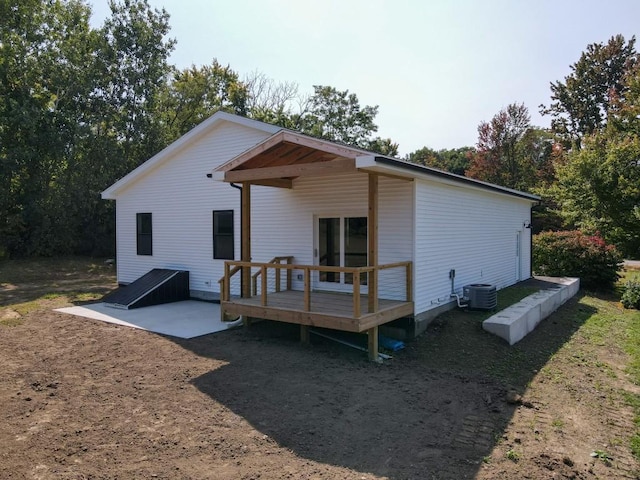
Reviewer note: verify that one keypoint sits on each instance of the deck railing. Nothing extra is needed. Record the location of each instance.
(278, 277)
(400, 286)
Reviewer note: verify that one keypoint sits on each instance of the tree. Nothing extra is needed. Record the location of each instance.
(455, 160)
(581, 104)
(81, 107)
(498, 157)
(273, 102)
(132, 67)
(599, 186)
(79, 110)
(599, 189)
(194, 94)
(339, 117)
(44, 83)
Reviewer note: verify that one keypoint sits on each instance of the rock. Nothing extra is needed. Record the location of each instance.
(513, 398)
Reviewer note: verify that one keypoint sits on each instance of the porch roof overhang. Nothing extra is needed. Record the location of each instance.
(287, 155)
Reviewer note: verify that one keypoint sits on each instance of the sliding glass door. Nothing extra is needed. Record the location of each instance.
(341, 242)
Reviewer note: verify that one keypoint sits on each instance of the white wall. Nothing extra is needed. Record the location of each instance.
(181, 199)
(470, 230)
(282, 220)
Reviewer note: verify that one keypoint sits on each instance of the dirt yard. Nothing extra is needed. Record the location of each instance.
(81, 399)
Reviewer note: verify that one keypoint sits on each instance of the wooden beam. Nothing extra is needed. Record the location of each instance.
(314, 319)
(304, 334)
(324, 145)
(286, 154)
(372, 254)
(294, 138)
(270, 142)
(275, 182)
(246, 239)
(342, 165)
(372, 342)
(263, 287)
(307, 289)
(409, 282)
(356, 295)
(386, 315)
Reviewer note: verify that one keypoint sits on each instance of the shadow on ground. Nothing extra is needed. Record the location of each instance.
(434, 411)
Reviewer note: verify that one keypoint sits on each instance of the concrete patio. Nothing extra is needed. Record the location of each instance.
(186, 319)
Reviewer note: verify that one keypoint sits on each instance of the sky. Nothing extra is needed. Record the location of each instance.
(435, 68)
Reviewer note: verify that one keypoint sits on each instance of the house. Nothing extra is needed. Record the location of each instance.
(292, 228)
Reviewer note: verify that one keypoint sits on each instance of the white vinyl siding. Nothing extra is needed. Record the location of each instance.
(438, 224)
(181, 199)
(470, 230)
(283, 220)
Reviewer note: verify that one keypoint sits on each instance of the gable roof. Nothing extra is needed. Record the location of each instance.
(287, 155)
(373, 162)
(185, 140)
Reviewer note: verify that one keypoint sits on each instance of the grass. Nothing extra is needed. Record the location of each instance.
(581, 335)
(461, 332)
(513, 455)
(28, 285)
(632, 348)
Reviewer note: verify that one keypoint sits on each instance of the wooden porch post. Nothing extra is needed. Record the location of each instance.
(372, 223)
(372, 349)
(246, 243)
(373, 241)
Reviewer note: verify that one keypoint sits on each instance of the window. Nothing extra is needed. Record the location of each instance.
(144, 234)
(223, 235)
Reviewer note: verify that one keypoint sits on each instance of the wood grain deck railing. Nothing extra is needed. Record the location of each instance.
(279, 260)
(262, 269)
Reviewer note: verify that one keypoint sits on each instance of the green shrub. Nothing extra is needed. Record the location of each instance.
(631, 295)
(576, 254)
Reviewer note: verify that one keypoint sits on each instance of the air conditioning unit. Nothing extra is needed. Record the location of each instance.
(480, 296)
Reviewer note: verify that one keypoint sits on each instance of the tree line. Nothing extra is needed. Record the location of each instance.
(81, 107)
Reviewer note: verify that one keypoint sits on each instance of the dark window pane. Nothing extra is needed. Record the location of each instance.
(329, 247)
(223, 235)
(355, 246)
(224, 247)
(144, 234)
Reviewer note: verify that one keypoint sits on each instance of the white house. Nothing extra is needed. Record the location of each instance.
(302, 218)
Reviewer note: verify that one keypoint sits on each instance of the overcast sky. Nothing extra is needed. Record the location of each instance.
(435, 68)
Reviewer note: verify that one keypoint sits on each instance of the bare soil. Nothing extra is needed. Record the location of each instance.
(81, 399)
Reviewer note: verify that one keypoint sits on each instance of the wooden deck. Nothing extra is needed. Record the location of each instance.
(354, 311)
(327, 310)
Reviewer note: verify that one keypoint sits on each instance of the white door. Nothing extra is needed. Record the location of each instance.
(340, 242)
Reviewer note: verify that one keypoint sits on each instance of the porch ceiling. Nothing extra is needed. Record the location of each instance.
(288, 155)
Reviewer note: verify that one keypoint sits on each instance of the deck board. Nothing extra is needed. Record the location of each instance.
(328, 309)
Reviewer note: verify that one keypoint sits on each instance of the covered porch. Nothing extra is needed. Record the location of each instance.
(332, 295)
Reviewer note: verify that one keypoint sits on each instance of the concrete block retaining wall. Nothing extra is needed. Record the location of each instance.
(518, 320)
